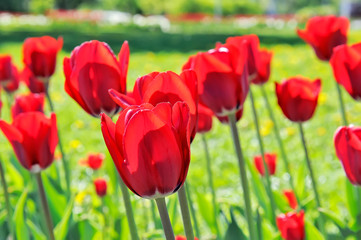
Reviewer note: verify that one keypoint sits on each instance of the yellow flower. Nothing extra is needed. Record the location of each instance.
(75, 144)
(321, 131)
(79, 198)
(322, 98)
(79, 124)
(266, 128)
(290, 131)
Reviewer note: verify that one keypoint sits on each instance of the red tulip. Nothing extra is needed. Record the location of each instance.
(34, 139)
(222, 79)
(264, 67)
(270, 159)
(347, 142)
(183, 238)
(91, 71)
(291, 198)
(346, 64)
(169, 87)
(40, 55)
(150, 147)
(325, 33)
(298, 97)
(28, 103)
(9, 76)
(292, 225)
(204, 119)
(34, 84)
(100, 187)
(94, 161)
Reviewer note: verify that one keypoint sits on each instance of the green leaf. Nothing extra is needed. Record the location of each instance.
(21, 230)
(312, 232)
(281, 202)
(61, 228)
(333, 217)
(205, 207)
(233, 231)
(35, 231)
(351, 198)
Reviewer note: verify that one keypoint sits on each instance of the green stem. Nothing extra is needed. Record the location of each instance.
(129, 211)
(187, 223)
(44, 202)
(154, 216)
(243, 175)
(163, 213)
(280, 143)
(193, 214)
(7, 201)
(342, 105)
(313, 180)
(259, 225)
(105, 220)
(267, 173)
(210, 183)
(9, 98)
(63, 156)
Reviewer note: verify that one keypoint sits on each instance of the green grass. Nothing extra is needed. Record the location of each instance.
(81, 135)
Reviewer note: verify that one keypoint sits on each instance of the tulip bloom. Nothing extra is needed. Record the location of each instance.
(325, 33)
(169, 87)
(291, 198)
(222, 79)
(298, 97)
(291, 225)
(34, 84)
(28, 103)
(9, 76)
(347, 141)
(183, 238)
(94, 161)
(91, 71)
(150, 147)
(346, 65)
(264, 67)
(204, 119)
(100, 187)
(34, 138)
(270, 159)
(40, 55)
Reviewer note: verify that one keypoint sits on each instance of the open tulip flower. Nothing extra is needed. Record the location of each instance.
(34, 139)
(150, 147)
(298, 97)
(28, 103)
(347, 141)
(91, 71)
(9, 76)
(40, 55)
(94, 160)
(292, 225)
(167, 86)
(270, 159)
(346, 65)
(324, 33)
(100, 187)
(222, 78)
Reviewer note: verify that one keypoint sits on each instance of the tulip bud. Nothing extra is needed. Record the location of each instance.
(100, 187)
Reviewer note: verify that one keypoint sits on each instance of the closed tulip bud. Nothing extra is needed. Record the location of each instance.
(346, 65)
(100, 187)
(298, 97)
(91, 71)
(270, 159)
(324, 33)
(28, 103)
(347, 141)
(9, 76)
(291, 198)
(34, 138)
(167, 86)
(183, 238)
(150, 147)
(205, 116)
(264, 67)
(94, 161)
(34, 84)
(40, 55)
(291, 225)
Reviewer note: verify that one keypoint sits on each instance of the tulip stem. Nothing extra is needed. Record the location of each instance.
(280, 143)
(163, 213)
(63, 156)
(267, 172)
(154, 216)
(44, 202)
(211, 184)
(193, 214)
(187, 223)
(313, 180)
(243, 175)
(342, 105)
(7, 201)
(129, 211)
(105, 219)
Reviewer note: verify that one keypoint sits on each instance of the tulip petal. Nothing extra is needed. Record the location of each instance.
(121, 99)
(123, 57)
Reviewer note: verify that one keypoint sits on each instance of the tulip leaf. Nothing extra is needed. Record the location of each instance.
(61, 228)
(21, 229)
(205, 207)
(351, 197)
(333, 217)
(234, 232)
(35, 231)
(281, 201)
(312, 232)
